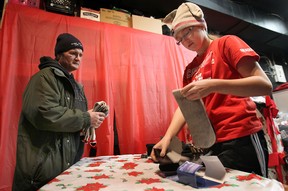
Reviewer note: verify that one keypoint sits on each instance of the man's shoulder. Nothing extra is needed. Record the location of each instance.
(48, 73)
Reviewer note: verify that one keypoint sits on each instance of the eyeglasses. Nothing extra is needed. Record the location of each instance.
(185, 36)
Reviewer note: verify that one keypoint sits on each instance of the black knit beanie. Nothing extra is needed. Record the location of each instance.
(66, 42)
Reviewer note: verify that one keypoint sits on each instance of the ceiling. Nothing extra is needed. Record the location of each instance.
(159, 8)
(263, 24)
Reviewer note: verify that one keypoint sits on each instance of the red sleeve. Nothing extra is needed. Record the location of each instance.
(235, 48)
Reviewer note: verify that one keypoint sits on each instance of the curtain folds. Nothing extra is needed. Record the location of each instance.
(133, 71)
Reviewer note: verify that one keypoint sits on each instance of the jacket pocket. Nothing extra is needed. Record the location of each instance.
(48, 165)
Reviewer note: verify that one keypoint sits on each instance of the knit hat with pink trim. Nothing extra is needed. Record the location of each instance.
(187, 14)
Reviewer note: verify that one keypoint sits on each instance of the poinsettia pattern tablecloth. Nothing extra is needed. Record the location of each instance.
(131, 172)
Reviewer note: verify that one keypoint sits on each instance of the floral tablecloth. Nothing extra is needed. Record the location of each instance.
(131, 172)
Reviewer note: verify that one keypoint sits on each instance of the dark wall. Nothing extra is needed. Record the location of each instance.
(1, 8)
(267, 62)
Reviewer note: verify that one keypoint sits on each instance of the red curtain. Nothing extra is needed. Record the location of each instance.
(133, 71)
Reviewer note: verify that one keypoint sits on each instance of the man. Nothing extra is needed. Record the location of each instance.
(54, 112)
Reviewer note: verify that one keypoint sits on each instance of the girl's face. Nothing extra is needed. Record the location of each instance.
(71, 59)
(191, 38)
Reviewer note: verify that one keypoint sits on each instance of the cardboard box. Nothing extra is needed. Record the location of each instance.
(115, 17)
(280, 98)
(147, 24)
(89, 14)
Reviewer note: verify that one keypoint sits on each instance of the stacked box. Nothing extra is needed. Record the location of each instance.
(89, 14)
(147, 24)
(115, 17)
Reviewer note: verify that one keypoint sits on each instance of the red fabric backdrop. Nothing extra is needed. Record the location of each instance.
(133, 71)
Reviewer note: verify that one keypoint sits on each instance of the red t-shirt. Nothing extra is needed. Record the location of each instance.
(231, 116)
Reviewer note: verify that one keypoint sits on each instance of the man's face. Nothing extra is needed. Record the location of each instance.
(71, 59)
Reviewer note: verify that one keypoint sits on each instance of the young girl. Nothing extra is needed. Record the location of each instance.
(224, 74)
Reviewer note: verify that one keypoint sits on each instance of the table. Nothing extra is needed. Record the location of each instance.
(131, 172)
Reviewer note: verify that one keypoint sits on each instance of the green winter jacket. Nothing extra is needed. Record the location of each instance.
(49, 128)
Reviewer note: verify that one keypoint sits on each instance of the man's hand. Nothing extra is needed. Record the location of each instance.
(97, 118)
